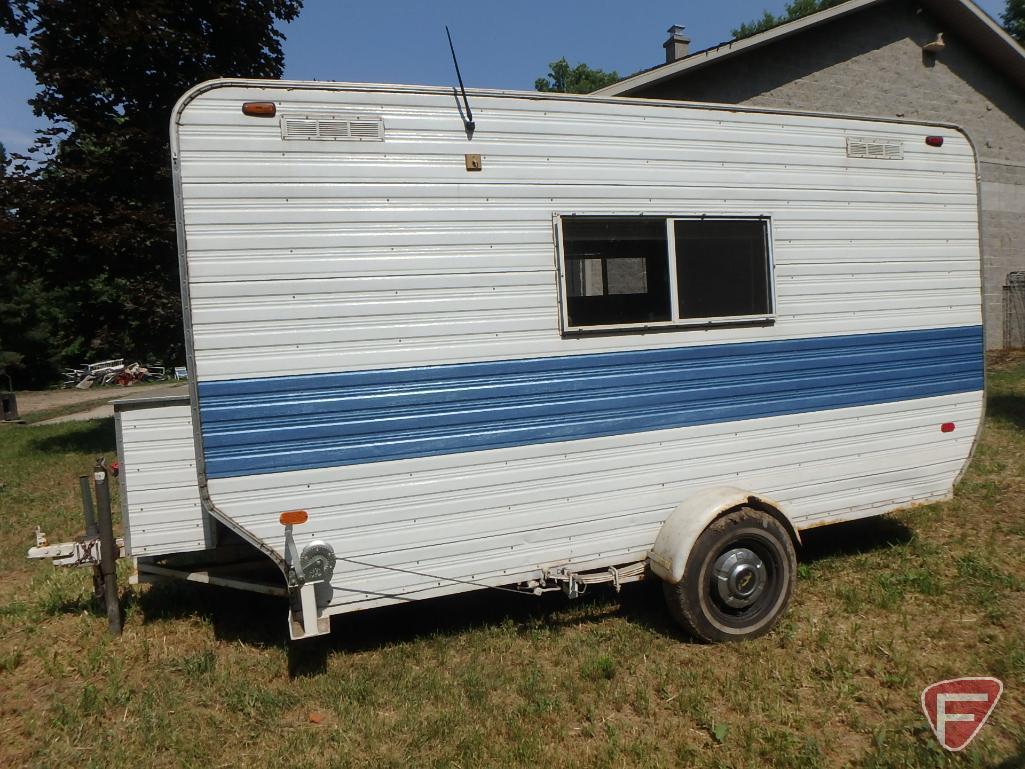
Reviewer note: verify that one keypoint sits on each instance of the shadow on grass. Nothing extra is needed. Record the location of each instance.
(852, 538)
(84, 604)
(95, 436)
(640, 604)
(1007, 408)
(260, 620)
(235, 615)
(1017, 761)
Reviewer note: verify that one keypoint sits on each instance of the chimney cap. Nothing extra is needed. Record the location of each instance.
(678, 44)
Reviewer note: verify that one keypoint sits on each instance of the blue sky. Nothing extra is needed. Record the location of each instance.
(500, 44)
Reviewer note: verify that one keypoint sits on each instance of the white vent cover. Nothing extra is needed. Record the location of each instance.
(875, 149)
(360, 128)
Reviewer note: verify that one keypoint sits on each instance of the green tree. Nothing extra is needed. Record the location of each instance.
(27, 353)
(1014, 19)
(562, 78)
(795, 10)
(88, 231)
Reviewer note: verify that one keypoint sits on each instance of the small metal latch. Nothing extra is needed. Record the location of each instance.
(473, 163)
(570, 586)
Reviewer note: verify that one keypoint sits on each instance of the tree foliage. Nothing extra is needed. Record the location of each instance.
(795, 10)
(1014, 19)
(88, 256)
(562, 78)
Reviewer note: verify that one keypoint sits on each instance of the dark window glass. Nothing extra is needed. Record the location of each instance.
(617, 270)
(722, 267)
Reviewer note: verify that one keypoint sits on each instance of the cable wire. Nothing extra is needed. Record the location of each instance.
(436, 576)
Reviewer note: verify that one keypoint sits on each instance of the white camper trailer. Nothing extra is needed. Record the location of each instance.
(582, 340)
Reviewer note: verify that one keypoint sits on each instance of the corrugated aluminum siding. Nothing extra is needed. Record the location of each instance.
(310, 257)
(161, 507)
(321, 258)
(255, 426)
(499, 514)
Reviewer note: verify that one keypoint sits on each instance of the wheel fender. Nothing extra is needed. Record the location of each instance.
(680, 531)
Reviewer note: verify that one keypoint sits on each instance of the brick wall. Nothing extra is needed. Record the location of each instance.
(870, 63)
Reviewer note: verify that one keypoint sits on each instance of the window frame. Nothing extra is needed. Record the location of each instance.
(675, 323)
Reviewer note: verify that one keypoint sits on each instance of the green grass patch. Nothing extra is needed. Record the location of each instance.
(204, 677)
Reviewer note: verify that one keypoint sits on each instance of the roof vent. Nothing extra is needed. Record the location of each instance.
(875, 149)
(332, 128)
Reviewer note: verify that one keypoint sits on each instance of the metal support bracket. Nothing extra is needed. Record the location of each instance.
(574, 583)
(304, 619)
(85, 552)
(570, 586)
(151, 572)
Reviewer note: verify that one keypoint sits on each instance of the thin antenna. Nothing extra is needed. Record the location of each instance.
(468, 120)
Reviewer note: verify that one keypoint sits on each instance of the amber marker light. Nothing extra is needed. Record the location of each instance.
(294, 517)
(259, 109)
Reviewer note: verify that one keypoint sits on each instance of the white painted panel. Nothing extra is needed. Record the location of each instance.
(161, 506)
(260, 210)
(486, 515)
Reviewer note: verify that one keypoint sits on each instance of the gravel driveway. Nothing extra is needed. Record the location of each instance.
(95, 403)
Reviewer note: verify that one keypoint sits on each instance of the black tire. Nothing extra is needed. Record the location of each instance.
(738, 579)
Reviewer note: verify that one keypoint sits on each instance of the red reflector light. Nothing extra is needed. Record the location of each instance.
(259, 109)
(934, 141)
(293, 517)
(947, 427)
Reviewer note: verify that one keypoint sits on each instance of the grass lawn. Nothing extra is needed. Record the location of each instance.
(205, 677)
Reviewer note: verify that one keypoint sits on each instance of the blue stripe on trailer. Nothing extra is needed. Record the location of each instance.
(301, 422)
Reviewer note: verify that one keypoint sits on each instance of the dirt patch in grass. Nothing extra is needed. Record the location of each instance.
(206, 678)
(38, 405)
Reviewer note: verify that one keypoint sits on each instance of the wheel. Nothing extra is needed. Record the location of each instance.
(738, 579)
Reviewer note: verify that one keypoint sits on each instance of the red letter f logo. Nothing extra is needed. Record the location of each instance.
(958, 708)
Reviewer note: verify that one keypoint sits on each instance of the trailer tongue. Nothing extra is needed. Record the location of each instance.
(97, 548)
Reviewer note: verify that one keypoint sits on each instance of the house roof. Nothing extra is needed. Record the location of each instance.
(969, 22)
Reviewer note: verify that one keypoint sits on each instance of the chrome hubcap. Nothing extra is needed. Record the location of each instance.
(739, 577)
